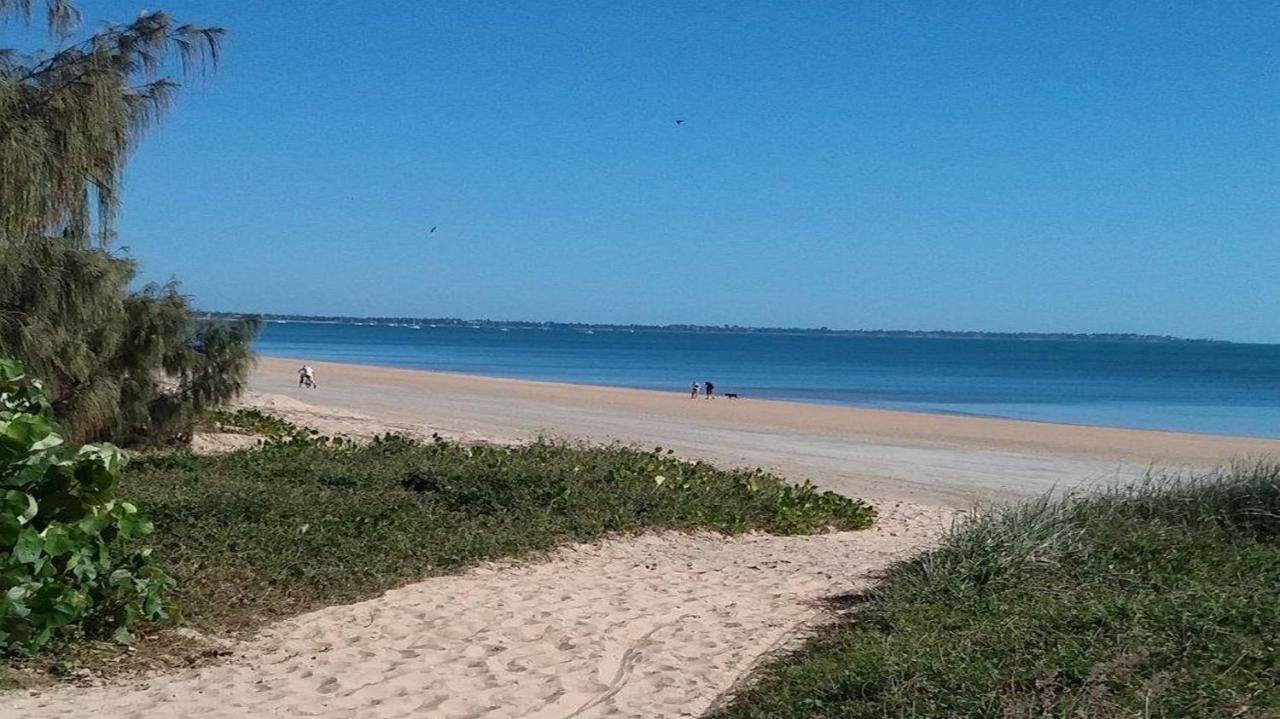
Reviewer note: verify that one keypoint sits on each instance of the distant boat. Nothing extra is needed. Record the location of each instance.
(590, 332)
(417, 327)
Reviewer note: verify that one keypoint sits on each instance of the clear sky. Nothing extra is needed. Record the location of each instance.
(998, 166)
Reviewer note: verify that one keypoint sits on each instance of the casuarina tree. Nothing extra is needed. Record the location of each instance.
(122, 365)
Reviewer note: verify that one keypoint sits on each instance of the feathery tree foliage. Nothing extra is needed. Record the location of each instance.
(120, 365)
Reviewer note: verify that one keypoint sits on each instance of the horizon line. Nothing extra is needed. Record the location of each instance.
(687, 326)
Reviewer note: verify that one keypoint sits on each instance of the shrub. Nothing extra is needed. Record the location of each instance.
(64, 566)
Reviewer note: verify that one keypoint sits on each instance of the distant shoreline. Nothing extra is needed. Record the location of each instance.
(454, 322)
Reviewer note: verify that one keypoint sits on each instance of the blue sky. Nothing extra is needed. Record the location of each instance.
(999, 166)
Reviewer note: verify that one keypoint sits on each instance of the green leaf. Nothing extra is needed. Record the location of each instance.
(29, 432)
(50, 441)
(108, 455)
(123, 635)
(10, 528)
(19, 504)
(10, 371)
(29, 546)
(82, 564)
(134, 525)
(13, 607)
(62, 539)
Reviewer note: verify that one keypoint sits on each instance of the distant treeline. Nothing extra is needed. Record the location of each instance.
(719, 329)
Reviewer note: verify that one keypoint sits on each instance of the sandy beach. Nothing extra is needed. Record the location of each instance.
(652, 626)
(875, 454)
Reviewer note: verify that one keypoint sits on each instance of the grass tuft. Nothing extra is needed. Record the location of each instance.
(1155, 600)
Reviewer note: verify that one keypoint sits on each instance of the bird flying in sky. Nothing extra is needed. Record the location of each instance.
(679, 122)
(433, 229)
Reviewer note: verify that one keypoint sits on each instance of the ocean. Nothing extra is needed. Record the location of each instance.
(1215, 388)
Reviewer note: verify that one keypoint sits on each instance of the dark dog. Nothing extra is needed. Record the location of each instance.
(731, 395)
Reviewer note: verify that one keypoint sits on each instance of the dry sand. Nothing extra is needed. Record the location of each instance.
(652, 626)
(875, 454)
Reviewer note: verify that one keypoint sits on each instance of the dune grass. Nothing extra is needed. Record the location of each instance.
(1160, 600)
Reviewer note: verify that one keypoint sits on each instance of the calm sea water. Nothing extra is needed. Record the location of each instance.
(1192, 387)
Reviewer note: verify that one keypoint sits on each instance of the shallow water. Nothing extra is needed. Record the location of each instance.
(1194, 387)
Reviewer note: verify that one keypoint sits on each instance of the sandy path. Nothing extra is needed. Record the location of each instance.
(898, 456)
(655, 626)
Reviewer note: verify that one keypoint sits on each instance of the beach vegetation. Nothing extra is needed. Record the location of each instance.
(253, 421)
(306, 521)
(70, 559)
(130, 366)
(1155, 600)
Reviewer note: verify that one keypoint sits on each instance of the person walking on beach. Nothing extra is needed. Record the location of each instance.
(709, 389)
(306, 376)
(693, 391)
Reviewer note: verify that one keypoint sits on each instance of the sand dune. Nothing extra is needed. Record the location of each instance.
(654, 626)
(898, 456)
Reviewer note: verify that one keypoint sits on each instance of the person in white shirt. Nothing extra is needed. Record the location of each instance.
(306, 376)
